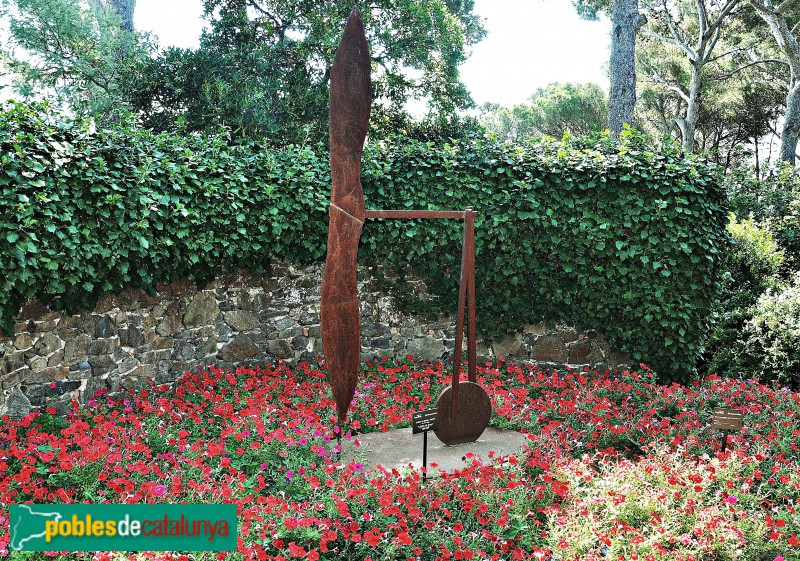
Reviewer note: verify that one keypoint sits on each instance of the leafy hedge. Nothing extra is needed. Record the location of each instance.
(612, 238)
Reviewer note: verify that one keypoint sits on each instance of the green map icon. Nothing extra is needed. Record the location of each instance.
(28, 524)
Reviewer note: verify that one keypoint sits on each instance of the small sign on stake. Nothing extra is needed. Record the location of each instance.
(727, 419)
(422, 422)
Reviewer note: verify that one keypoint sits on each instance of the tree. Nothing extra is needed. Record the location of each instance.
(574, 108)
(123, 8)
(263, 67)
(777, 18)
(625, 23)
(694, 30)
(80, 55)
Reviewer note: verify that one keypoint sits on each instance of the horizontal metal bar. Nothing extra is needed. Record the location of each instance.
(459, 214)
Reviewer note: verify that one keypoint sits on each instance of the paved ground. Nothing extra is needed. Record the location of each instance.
(398, 448)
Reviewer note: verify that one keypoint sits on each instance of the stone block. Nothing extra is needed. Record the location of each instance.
(535, 328)
(102, 365)
(279, 348)
(15, 378)
(206, 348)
(240, 320)
(160, 343)
(77, 347)
(183, 350)
(13, 361)
(253, 301)
(616, 358)
(106, 327)
(508, 347)
(242, 347)
(126, 365)
(426, 347)
(202, 310)
(549, 348)
(145, 370)
(17, 405)
(54, 389)
(579, 351)
(48, 375)
(48, 343)
(56, 359)
(38, 364)
(23, 341)
(568, 335)
(171, 322)
(284, 322)
(380, 343)
(106, 303)
(132, 336)
(33, 309)
(103, 346)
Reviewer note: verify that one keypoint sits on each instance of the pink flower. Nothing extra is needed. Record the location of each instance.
(733, 500)
(159, 490)
(779, 558)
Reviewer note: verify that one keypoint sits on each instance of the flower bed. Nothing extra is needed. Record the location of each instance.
(617, 466)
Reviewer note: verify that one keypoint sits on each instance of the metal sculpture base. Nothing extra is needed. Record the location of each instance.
(400, 449)
(468, 419)
(464, 408)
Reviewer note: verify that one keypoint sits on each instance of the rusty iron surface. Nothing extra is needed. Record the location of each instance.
(463, 420)
(350, 101)
(459, 214)
(464, 408)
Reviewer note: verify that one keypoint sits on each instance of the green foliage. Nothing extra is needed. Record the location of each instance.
(554, 110)
(774, 200)
(775, 334)
(752, 264)
(755, 257)
(604, 236)
(263, 67)
(85, 212)
(76, 54)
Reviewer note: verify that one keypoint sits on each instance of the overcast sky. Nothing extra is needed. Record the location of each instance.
(530, 43)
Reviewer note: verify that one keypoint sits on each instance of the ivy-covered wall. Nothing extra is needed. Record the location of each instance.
(605, 237)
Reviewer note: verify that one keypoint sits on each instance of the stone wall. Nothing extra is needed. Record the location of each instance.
(237, 319)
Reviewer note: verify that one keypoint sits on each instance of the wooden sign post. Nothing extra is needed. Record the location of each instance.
(727, 419)
(422, 422)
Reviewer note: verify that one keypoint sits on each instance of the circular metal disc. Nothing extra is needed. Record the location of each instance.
(470, 417)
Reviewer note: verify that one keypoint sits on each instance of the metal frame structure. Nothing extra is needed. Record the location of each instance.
(466, 289)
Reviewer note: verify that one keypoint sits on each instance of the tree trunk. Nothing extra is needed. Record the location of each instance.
(689, 124)
(789, 46)
(124, 9)
(626, 21)
(791, 124)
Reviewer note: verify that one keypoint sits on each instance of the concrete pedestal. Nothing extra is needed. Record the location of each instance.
(399, 448)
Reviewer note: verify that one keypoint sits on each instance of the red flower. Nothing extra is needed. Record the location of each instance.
(295, 550)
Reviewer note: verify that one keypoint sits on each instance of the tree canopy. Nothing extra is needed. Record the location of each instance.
(263, 67)
(553, 110)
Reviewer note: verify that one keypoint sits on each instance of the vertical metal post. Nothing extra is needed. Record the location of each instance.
(462, 297)
(469, 225)
(724, 440)
(424, 456)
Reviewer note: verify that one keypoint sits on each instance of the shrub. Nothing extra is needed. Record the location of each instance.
(775, 333)
(602, 235)
(773, 200)
(752, 265)
(754, 258)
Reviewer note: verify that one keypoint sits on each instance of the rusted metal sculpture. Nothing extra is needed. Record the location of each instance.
(464, 407)
(350, 101)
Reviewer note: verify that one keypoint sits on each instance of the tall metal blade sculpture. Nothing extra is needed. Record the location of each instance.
(464, 408)
(350, 101)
